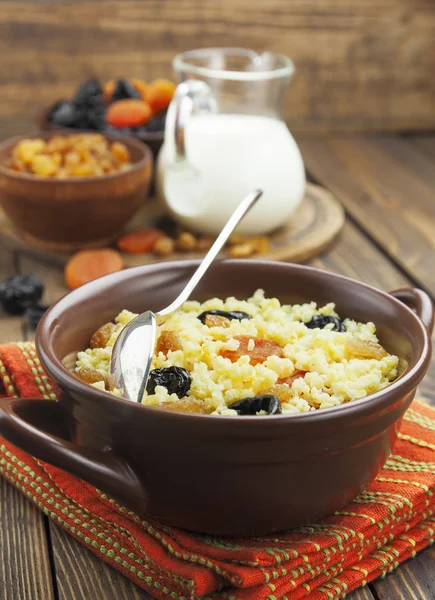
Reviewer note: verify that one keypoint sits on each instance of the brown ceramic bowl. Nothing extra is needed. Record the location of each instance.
(212, 474)
(153, 139)
(74, 213)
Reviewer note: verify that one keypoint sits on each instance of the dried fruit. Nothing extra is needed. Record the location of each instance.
(141, 86)
(187, 405)
(87, 265)
(166, 224)
(205, 242)
(186, 242)
(289, 380)
(242, 250)
(128, 113)
(89, 375)
(20, 292)
(34, 314)
(89, 92)
(228, 314)
(175, 379)
(281, 391)
(320, 321)
(157, 123)
(164, 246)
(169, 341)
(108, 91)
(252, 406)
(64, 114)
(101, 337)
(260, 352)
(160, 93)
(139, 242)
(76, 155)
(216, 321)
(124, 89)
(365, 349)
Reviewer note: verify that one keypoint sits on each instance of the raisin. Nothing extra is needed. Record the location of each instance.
(261, 351)
(320, 321)
(163, 246)
(34, 314)
(175, 379)
(89, 375)
(20, 292)
(217, 321)
(101, 337)
(205, 242)
(169, 341)
(186, 405)
(166, 224)
(186, 242)
(232, 314)
(252, 406)
(365, 349)
(280, 390)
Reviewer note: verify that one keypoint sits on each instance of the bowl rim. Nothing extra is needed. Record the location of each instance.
(373, 402)
(147, 157)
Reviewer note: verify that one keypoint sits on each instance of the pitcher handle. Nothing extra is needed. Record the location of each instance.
(101, 468)
(191, 97)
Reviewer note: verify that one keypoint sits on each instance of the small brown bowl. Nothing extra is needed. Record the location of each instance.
(213, 474)
(153, 139)
(74, 213)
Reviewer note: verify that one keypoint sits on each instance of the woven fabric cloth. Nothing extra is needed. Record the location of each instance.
(388, 523)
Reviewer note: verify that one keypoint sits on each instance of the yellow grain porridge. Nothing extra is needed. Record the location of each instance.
(250, 357)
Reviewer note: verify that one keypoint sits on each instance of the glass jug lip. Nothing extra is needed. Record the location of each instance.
(181, 62)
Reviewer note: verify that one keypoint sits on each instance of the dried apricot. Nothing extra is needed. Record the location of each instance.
(87, 265)
(365, 349)
(109, 88)
(169, 341)
(140, 241)
(159, 95)
(261, 350)
(128, 113)
(101, 337)
(289, 380)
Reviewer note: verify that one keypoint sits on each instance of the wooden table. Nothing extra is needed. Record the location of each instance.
(387, 185)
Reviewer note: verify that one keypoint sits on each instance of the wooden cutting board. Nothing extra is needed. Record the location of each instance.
(313, 225)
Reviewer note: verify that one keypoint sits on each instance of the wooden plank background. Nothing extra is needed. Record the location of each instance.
(361, 65)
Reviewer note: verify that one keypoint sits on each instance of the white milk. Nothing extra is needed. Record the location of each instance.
(229, 155)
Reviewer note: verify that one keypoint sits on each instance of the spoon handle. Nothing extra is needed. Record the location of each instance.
(233, 221)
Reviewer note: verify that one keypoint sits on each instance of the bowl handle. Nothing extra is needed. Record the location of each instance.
(418, 301)
(101, 468)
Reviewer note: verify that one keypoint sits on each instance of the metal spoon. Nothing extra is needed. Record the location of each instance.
(133, 350)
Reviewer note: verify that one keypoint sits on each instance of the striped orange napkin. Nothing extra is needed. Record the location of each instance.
(392, 520)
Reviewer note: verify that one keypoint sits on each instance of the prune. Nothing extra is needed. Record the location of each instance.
(166, 224)
(232, 314)
(157, 123)
(64, 113)
(320, 321)
(20, 292)
(251, 406)
(124, 89)
(34, 314)
(96, 117)
(259, 353)
(89, 92)
(175, 379)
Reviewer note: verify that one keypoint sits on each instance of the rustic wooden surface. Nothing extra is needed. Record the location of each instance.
(385, 184)
(365, 65)
(316, 222)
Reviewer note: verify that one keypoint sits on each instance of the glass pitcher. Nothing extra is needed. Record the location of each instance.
(224, 137)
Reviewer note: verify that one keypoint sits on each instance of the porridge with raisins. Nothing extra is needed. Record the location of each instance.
(254, 356)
